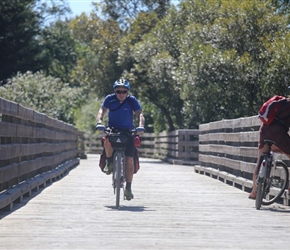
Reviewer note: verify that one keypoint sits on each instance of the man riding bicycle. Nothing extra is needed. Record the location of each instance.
(122, 107)
(277, 131)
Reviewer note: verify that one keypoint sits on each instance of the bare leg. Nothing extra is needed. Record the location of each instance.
(129, 177)
(108, 148)
(129, 169)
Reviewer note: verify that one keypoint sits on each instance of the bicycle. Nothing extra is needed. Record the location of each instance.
(272, 178)
(118, 140)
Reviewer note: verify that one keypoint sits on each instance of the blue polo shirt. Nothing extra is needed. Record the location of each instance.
(122, 118)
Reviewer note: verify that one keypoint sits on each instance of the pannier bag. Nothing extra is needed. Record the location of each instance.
(136, 161)
(137, 141)
(118, 141)
(102, 161)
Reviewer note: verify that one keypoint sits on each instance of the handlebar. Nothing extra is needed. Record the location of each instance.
(108, 130)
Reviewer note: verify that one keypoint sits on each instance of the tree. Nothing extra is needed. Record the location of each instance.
(149, 58)
(224, 57)
(125, 11)
(141, 26)
(20, 27)
(277, 74)
(59, 52)
(85, 116)
(98, 42)
(283, 6)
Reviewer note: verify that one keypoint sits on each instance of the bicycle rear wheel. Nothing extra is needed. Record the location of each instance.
(276, 183)
(259, 195)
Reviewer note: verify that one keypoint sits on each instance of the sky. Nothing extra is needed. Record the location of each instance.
(80, 6)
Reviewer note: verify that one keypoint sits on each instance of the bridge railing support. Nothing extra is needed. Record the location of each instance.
(228, 151)
(178, 147)
(34, 150)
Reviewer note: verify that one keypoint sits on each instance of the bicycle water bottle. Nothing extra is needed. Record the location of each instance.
(137, 141)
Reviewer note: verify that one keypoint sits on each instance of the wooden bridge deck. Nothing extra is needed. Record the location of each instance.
(174, 208)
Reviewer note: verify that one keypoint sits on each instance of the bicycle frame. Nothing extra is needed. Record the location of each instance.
(119, 175)
(265, 167)
(118, 140)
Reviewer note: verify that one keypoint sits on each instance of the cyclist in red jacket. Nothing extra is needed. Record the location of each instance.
(277, 131)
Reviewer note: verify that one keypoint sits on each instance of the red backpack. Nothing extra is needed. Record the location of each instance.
(270, 108)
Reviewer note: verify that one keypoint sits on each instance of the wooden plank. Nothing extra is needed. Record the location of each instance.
(7, 129)
(205, 214)
(16, 193)
(230, 151)
(8, 107)
(10, 151)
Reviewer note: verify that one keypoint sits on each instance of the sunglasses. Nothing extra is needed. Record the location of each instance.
(122, 92)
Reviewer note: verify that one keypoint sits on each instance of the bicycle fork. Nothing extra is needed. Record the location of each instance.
(265, 167)
(119, 171)
(264, 173)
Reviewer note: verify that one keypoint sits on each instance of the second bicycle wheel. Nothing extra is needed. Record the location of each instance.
(276, 183)
(260, 184)
(259, 196)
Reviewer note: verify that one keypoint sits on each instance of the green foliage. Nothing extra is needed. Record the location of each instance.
(20, 27)
(199, 62)
(150, 60)
(283, 6)
(142, 25)
(85, 116)
(225, 56)
(155, 120)
(98, 44)
(277, 73)
(124, 12)
(59, 51)
(44, 94)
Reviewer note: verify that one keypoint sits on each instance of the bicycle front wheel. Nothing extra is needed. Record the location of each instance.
(260, 184)
(118, 165)
(276, 183)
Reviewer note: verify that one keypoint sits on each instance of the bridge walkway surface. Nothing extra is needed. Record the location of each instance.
(174, 208)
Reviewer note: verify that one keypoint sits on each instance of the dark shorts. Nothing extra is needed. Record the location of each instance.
(276, 133)
(130, 147)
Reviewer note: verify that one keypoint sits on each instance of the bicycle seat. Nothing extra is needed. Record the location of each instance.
(269, 142)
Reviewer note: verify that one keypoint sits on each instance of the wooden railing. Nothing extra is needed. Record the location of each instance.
(228, 151)
(180, 146)
(225, 150)
(34, 151)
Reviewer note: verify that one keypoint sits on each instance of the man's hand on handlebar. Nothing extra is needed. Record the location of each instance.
(100, 127)
(140, 130)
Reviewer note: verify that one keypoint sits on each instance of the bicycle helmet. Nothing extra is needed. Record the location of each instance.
(122, 83)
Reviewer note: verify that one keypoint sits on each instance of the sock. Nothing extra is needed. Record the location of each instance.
(128, 186)
(110, 159)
